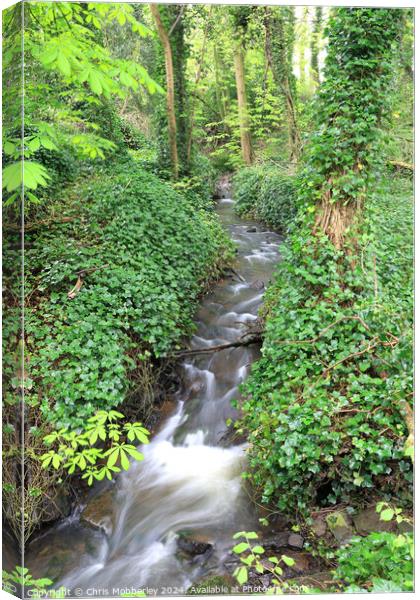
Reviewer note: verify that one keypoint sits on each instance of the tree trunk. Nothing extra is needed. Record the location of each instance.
(196, 81)
(170, 89)
(220, 95)
(244, 123)
(335, 218)
(279, 57)
(315, 39)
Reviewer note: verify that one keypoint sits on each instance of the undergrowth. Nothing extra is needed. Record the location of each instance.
(145, 255)
(327, 405)
(266, 194)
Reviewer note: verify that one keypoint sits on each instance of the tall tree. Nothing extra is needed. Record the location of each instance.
(240, 18)
(178, 23)
(170, 89)
(315, 41)
(353, 100)
(302, 45)
(279, 26)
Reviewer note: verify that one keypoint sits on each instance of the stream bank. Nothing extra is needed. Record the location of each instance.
(168, 522)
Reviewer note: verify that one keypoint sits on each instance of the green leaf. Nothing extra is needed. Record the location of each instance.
(31, 173)
(288, 560)
(112, 458)
(125, 463)
(387, 514)
(63, 65)
(95, 83)
(239, 534)
(9, 148)
(241, 547)
(242, 576)
(258, 550)
(132, 451)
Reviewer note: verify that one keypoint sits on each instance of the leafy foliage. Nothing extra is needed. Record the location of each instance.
(251, 558)
(266, 194)
(354, 99)
(62, 46)
(23, 578)
(78, 452)
(325, 405)
(139, 245)
(380, 562)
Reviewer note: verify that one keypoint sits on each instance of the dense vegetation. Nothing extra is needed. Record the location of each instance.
(132, 113)
(267, 194)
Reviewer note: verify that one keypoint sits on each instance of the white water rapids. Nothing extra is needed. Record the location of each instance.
(188, 482)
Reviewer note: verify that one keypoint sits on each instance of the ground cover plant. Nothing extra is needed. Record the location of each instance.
(136, 117)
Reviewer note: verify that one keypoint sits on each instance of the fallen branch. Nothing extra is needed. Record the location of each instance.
(238, 275)
(401, 165)
(254, 339)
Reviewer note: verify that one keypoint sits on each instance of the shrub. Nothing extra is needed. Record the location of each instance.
(246, 185)
(275, 204)
(136, 255)
(326, 404)
(198, 188)
(267, 194)
(380, 562)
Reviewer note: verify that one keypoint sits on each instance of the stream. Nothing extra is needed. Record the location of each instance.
(189, 481)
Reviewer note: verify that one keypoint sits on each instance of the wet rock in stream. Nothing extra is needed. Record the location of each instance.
(257, 285)
(193, 546)
(99, 512)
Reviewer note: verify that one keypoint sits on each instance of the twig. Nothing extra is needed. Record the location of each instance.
(323, 331)
(401, 165)
(375, 278)
(369, 347)
(84, 272)
(175, 23)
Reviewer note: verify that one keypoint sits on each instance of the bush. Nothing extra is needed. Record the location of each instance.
(146, 254)
(275, 204)
(325, 405)
(266, 194)
(380, 562)
(246, 185)
(198, 188)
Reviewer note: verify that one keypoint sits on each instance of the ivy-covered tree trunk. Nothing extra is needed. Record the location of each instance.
(315, 40)
(244, 122)
(170, 89)
(279, 26)
(176, 23)
(354, 97)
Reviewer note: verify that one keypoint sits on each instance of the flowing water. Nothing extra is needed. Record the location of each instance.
(189, 482)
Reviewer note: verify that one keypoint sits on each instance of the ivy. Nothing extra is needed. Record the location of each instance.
(325, 403)
(326, 406)
(266, 194)
(147, 253)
